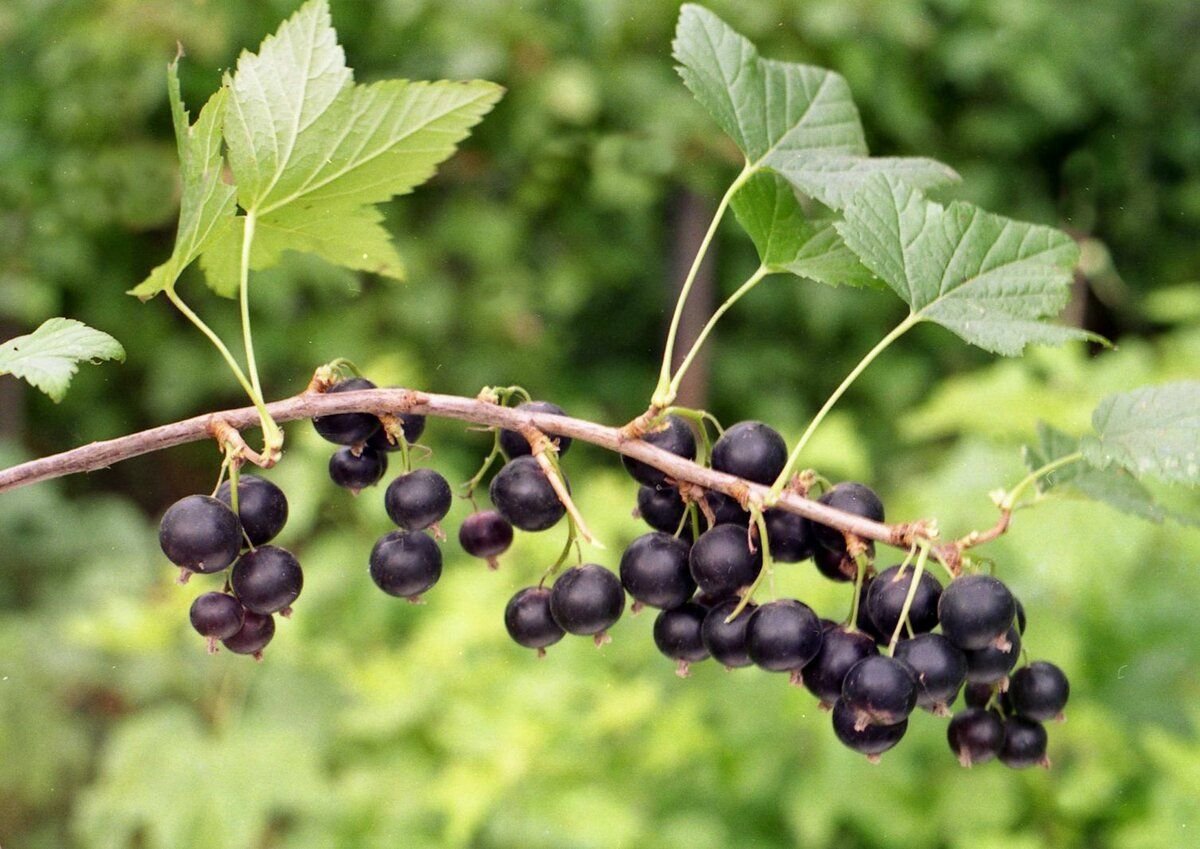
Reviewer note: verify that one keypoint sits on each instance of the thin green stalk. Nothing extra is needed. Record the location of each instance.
(244, 298)
(1010, 499)
(764, 543)
(860, 572)
(918, 570)
(659, 399)
(786, 475)
(174, 298)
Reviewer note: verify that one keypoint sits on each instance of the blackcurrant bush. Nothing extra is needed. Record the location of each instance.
(587, 599)
(677, 635)
(200, 533)
(662, 509)
(887, 595)
(412, 424)
(750, 450)
(267, 579)
(783, 636)
(789, 535)
(528, 620)
(975, 610)
(849, 497)
(676, 437)
(881, 689)
(217, 616)
(726, 641)
(357, 472)
(262, 507)
(256, 631)
(870, 740)
(990, 665)
(722, 562)
(418, 499)
(836, 566)
(1024, 743)
(485, 534)
(1039, 691)
(975, 735)
(347, 428)
(654, 570)
(524, 496)
(405, 563)
(840, 650)
(515, 445)
(940, 668)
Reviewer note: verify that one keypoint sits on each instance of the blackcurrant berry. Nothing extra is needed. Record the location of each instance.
(863, 621)
(654, 570)
(418, 499)
(887, 595)
(662, 509)
(262, 507)
(975, 610)
(849, 497)
(357, 472)
(940, 668)
(676, 437)
(783, 636)
(1024, 743)
(347, 428)
(1020, 616)
(677, 635)
(726, 641)
(267, 579)
(217, 616)
(726, 510)
(881, 689)
(836, 566)
(789, 535)
(840, 650)
(870, 740)
(200, 533)
(586, 599)
(524, 496)
(975, 735)
(528, 620)
(256, 631)
(405, 563)
(515, 445)
(977, 695)
(1039, 691)
(485, 534)
(412, 424)
(990, 665)
(721, 561)
(750, 450)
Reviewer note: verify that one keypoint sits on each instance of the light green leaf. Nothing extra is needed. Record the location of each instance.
(787, 241)
(987, 278)
(1153, 431)
(834, 179)
(207, 203)
(49, 356)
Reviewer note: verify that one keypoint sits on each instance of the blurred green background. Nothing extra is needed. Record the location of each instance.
(544, 253)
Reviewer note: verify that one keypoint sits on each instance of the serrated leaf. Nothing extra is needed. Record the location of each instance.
(989, 279)
(788, 241)
(834, 179)
(207, 204)
(49, 356)
(1153, 431)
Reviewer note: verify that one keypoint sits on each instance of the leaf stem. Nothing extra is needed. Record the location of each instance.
(191, 316)
(1009, 502)
(272, 434)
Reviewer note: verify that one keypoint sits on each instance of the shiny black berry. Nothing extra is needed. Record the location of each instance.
(750, 450)
(881, 689)
(200, 533)
(836, 566)
(849, 497)
(870, 740)
(217, 616)
(347, 428)
(975, 611)
(256, 631)
(676, 437)
(654, 570)
(992, 664)
(485, 534)
(515, 445)
(940, 668)
(357, 472)
(1024, 743)
(887, 595)
(405, 563)
(587, 599)
(677, 635)
(721, 561)
(840, 650)
(725, 509)
(262, 507)
(789, 535)
(1039, 691)
(726, 641)
(412, 424)
(783, 636)
(663, 509)
(267, 579)
(528, 620)
(418, 499)
(975, 735)
(524, 496)
(978, 695)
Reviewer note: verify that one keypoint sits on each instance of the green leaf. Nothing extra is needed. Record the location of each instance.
(987, 278)
(49, 356)
(788, 241)
(1153, 431)
(798, 120)
(207, 203)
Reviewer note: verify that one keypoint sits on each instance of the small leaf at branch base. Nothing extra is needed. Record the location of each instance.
(49, 356)
(1153, 431)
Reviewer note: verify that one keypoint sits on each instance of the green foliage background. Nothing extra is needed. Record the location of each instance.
(541, 255)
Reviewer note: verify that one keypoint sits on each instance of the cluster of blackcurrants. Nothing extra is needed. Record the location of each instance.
(202, 534)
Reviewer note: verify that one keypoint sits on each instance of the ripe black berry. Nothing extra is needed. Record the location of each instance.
(412, 424)
(837, 566)
(726, 510)
(676, 437)
(870, 740)
(586, 599)
(721, 561)
(528, 620)
(848, 497)
(262, 507)
(783, 636)
(200, 533)
(347, 428)
(978, 695)
(726, 641)
(789, 535)
(524, 496)
(662, 508)
(881, 689)
(975, 735)
(940, 668)
(750, 450)
(975, 610)
(1039, 691)
(990, 665)
(356, 473)
(405, 563)
(863, 621)
(1024, 743)
(267, 579)
(840, 650)
(515, 445)
(256, 631)
(217, 616)
(677, 635)
(654, 570)
(886, 599)
(418, 499)
(485, 534)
